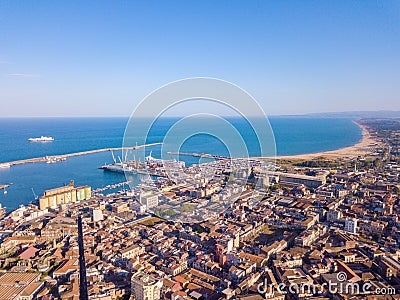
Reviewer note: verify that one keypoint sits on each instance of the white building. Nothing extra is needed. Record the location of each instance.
(145, 287)
(350, 225)
(97, 215)
(149, 200)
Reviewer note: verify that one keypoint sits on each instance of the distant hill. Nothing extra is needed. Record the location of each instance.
(358, 114)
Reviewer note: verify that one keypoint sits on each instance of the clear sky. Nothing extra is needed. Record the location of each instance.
(100, 58)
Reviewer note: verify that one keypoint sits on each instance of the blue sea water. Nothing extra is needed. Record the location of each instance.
(293, 135)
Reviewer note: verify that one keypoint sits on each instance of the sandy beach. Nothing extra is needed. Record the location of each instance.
(364, 147)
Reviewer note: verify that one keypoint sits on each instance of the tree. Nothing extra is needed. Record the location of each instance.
(396, 190)
(376, 236)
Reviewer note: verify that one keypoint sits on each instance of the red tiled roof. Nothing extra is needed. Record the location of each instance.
(28, 253)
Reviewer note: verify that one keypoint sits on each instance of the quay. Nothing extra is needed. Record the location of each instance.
(64, 156)
(218, 157)
(205, 155)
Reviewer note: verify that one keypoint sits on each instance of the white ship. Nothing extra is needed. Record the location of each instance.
(5, 166)
(42, 139)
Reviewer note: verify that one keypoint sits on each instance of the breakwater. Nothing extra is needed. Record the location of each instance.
(65, 156)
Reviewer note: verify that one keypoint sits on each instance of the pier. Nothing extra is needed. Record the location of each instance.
(204, 155)
(65, 156)
(218, 157)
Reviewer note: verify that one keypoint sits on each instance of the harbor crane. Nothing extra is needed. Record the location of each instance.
(36, 197)
(112, 153)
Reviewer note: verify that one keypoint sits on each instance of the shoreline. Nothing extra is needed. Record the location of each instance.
(364, 147)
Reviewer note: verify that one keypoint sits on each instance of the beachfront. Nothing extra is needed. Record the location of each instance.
(365, 147)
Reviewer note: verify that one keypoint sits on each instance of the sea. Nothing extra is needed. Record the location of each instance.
(292, 135)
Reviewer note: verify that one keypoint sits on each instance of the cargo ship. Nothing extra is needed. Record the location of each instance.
(41, 139)
(129, 169)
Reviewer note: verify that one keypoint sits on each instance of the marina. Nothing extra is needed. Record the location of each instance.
(110, 187)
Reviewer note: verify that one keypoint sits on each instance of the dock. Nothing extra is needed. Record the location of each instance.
(218, 157)
(64, 156)
(203, 155)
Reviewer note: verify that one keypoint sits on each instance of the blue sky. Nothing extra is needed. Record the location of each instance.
(100, 58)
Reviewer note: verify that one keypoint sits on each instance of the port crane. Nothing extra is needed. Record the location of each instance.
(36, 197)
(126, 156)
(112, 153)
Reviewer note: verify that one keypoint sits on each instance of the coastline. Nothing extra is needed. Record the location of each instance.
(364, 147)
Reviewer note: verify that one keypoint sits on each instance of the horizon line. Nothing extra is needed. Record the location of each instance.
(230, 116)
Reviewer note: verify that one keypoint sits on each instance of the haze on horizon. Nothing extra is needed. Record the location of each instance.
(102, 58)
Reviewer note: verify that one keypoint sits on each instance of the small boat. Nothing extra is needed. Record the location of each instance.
(41, 139)
(5, 166)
